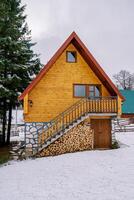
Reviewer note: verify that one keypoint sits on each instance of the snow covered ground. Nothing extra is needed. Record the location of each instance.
(89, 175)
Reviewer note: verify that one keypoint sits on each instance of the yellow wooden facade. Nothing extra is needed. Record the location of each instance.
(54, 92)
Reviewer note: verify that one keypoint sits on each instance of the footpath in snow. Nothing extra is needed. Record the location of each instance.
(89, 175)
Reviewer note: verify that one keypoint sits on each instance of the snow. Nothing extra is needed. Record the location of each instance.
(88, 175)
(3, 88)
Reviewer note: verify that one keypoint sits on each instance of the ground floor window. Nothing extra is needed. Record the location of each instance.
(86, 90)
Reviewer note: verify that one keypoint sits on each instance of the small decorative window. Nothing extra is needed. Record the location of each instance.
(71, 56)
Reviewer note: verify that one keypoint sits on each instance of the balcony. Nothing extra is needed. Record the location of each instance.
(101, 105)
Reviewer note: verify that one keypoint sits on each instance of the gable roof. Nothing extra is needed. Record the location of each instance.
(128, 105)
(75, 40)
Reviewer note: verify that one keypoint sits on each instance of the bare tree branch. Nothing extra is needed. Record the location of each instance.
(124, 80)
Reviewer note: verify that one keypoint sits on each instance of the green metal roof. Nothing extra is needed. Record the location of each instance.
(128, 104)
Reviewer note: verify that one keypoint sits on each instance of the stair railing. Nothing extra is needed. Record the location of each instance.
(75, 112)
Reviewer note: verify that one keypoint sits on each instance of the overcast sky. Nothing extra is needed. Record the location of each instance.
(105, 26)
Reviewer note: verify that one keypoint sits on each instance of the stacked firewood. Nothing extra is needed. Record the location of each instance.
(79, 138)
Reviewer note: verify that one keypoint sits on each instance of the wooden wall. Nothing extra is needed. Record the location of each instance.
(54, 93)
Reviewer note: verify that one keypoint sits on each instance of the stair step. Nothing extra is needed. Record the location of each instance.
(58, 133)
(53, 139)
(63, 130)
(48, 142)
(15, 148)
(84, 115)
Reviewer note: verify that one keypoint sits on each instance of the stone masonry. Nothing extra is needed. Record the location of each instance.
(31, 136)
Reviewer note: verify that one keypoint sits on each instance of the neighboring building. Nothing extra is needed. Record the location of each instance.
(17, 117)
(128, 105)
(17, 124)
(69, 94)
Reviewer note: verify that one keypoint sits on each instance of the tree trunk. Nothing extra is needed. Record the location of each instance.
(4, 122)
(9, 123)
(4, 111)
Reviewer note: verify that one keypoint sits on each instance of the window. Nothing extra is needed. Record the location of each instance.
(94, 91)
(79, 90)
(86, 90)
(71, 56)
(91, 91)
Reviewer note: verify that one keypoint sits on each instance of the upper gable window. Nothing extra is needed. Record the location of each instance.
(71, 56)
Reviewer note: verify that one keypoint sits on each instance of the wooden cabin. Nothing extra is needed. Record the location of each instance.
(70, 100)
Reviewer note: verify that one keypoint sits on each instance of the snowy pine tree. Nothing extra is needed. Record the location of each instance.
(18, 63)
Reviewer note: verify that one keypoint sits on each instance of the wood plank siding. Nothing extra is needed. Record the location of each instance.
(54, 92)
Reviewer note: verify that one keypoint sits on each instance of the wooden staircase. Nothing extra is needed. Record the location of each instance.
(75, 114)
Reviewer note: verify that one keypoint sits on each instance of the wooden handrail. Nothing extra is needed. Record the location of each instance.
(76, 111)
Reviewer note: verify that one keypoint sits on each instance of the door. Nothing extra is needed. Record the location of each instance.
(102, 132)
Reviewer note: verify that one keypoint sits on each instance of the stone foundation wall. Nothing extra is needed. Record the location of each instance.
(31, 136)
(79, 138)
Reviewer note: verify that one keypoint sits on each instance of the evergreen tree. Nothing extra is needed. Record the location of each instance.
(18, 63)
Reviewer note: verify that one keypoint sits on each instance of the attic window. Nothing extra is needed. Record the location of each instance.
(71, 56)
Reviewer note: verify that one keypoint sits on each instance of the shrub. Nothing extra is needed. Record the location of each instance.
(115, 145)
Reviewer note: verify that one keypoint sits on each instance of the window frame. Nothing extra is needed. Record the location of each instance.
(74, 90)
(87, 90)
(75, 52)
(97, 85)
